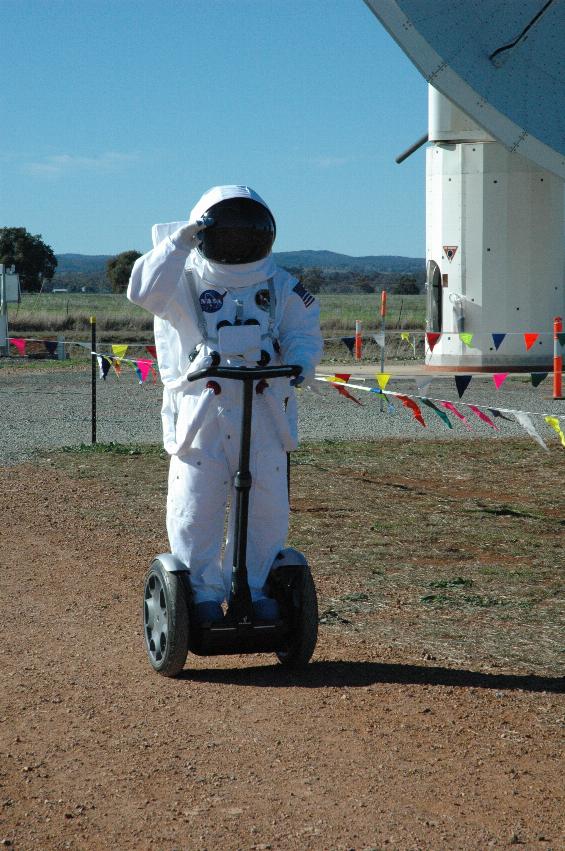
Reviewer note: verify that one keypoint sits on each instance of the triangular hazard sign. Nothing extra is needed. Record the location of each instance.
(450, 251)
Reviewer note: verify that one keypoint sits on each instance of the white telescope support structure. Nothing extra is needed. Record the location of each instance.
(4, 344)
(495, 246)
(495, 172)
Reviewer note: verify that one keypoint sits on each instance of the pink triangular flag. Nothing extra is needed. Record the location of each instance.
(529, 340)
(144, 366)
(482, 416)
(19, 343)
(499, 378)
(451, 407)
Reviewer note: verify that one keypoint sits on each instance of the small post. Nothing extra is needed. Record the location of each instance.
(557, 358)
(4, 342)
(383, 323)
(93, 375)
(358, 340)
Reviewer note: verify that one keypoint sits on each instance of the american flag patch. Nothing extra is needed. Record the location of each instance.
(303, 293)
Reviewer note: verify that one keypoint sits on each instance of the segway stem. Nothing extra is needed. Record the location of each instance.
(240, 599)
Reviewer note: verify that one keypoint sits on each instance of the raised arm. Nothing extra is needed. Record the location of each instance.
(155, 276)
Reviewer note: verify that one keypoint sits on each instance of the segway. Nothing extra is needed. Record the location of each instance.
(169, 625)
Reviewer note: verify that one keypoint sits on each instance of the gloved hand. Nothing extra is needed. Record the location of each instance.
(188, 237)
(297, 380)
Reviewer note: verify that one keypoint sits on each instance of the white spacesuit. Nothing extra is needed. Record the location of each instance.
(191, 295)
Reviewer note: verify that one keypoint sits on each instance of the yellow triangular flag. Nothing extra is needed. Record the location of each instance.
(404, 335)
(119, 351)
(382, 379)
(466, 338)
(554, 423)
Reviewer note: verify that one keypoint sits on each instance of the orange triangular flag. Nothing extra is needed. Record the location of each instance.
(344, 376)
(529, 340)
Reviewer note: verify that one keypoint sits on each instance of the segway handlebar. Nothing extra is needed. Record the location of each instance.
(245, 372)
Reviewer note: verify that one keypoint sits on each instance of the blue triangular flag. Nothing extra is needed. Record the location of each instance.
(349, 342)
(462, 382)
(497, 340)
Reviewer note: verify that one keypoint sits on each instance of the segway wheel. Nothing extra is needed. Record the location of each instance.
(165, 620)
(302, 641)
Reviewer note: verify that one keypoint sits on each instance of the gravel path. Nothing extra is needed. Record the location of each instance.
(43, 409)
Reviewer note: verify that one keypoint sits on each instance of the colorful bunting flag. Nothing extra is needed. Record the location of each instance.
(554, 423)
(341, 389)
(19, 343)
(528, 426)
(413, 406)
(51, 346)
(379, 339)
(117, 366)
(538, 377)
(529, 340)
(382, 379)
(466, 338)
(496, 413)
(154, 374)
(499, 378)
(139, 374)
(423, 385)
(482, 416)
(119, 350)
(343, 376)
(497, 340)
(451, 407)
(561, 339)
(404, 335)
(349, 342)
(143, 366)
(104, 365)
(152, 350)
(441, 414)
(462, 382)
(432, 337)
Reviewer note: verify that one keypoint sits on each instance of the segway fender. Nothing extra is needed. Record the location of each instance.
(171, 563)
(289, 557)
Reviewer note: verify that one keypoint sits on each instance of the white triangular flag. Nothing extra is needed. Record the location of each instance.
(528, 426)
(379, 339)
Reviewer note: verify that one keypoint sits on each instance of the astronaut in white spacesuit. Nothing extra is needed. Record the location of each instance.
(213, 286)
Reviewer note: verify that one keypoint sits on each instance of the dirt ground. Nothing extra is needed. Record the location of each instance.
(419, 725)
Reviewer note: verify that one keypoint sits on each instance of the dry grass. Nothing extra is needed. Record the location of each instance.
(56, 313)
(447, 551)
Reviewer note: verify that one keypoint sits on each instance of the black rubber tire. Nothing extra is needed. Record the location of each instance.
(305, 635)
(165, 620)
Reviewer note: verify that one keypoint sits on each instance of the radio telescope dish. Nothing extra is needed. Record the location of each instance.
(501, 61)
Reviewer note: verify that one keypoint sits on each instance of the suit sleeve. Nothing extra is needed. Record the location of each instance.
(155, 277)
(300, 337)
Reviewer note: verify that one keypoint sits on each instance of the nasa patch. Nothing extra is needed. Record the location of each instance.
(211, 301)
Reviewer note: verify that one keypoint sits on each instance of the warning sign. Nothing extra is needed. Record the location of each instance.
(449, 251)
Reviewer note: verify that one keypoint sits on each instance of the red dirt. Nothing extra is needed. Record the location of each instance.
(365, 749)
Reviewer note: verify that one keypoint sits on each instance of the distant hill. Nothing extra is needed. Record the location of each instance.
(330, 261)
(324, 260)
(84, 263)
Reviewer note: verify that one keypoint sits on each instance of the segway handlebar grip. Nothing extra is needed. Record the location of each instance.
(242, 373)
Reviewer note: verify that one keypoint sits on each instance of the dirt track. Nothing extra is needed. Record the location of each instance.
(368, 748)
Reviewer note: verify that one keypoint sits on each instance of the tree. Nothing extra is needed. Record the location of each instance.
(33, 259)
(406, 285)
(119, 268)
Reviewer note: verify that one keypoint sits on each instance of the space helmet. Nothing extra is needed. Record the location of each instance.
(242, 231)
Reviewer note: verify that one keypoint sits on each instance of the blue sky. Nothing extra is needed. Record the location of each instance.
(120, 113)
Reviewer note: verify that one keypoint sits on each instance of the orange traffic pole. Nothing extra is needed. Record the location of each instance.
(358, 340)
(557, 358)
(383, 324)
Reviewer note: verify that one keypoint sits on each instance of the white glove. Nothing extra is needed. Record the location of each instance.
(188, 237)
